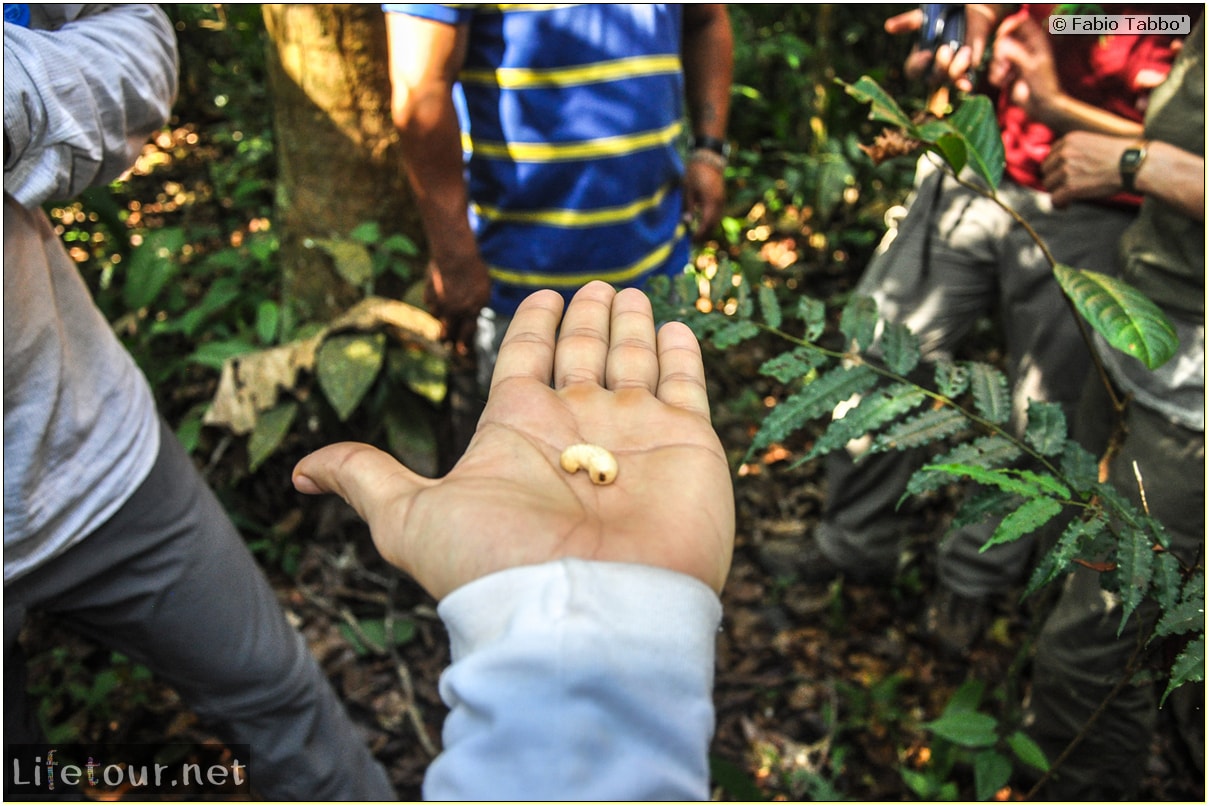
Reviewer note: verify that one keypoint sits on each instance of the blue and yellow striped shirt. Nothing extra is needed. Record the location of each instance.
(571, 116)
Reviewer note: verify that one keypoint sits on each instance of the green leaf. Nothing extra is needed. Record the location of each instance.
(152, 265)
(351, 260)
(884, 108)
(270, 429)
(1189, 614)
(793, 365)
(951, 379)
(1028, 750)
(1134, 555)
(1046, 430)
(992, 770)
(930, 426)
(1189, 667)
(976, 121)
(1124, 316)
(991, 395)
(965, 728)
(900, 348)
(858, 321)
(1058, 560)
(372, 638)
(988, 451)
(347, 366)
(1031, 516)
(268, 319)
(814, 314)
(770, 308)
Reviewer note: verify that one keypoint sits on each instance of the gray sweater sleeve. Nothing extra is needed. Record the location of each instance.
(84, 87)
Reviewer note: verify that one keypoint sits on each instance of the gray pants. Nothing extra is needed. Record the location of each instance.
(955, 258)
(169, 582)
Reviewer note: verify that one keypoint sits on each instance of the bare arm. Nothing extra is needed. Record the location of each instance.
(425, 57)
(708, 59)
(1085, 165)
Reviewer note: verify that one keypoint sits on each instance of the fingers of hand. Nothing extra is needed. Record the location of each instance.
(681, 371)
(527, 350)
(366, 478)
(632, 361)
(583, 339)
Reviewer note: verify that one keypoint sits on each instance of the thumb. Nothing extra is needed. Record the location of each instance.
(366, 478)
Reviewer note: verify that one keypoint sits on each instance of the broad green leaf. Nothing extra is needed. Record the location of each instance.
(1028, 750)
(1189, 667)
(883, 107)
(270, 429)
(1124, 316)
(351, 260)
(992, 770)
(858, 321)
(965, 728)
(346, 367)
(976, 121)
(152, 265)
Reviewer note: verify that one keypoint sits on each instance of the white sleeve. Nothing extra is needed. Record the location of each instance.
(80, 100)
(577, 680)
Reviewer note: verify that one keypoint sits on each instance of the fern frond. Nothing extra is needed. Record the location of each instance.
(991, 395)
(1046, 430)
(813, 400)
(931, 426)
(871, 414)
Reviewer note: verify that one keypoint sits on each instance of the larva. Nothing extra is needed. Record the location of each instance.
(600, 465)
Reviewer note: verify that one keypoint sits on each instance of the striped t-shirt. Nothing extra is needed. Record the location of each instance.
(571, 117)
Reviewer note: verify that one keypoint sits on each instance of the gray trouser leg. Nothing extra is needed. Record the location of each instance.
(170, 583)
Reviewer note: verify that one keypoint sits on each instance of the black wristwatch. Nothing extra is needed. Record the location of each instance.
(714, 144)
(1131, 161)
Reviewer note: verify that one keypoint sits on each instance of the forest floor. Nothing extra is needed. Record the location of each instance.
(820, 694)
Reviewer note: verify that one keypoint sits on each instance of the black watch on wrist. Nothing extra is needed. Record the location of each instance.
(1131, 160)
(714, 144)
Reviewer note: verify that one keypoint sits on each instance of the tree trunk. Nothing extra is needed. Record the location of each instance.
(339, 159)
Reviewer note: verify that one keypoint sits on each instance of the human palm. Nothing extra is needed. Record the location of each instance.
(607, 381)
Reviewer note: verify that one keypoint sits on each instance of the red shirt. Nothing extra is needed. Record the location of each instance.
(1115, 72)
